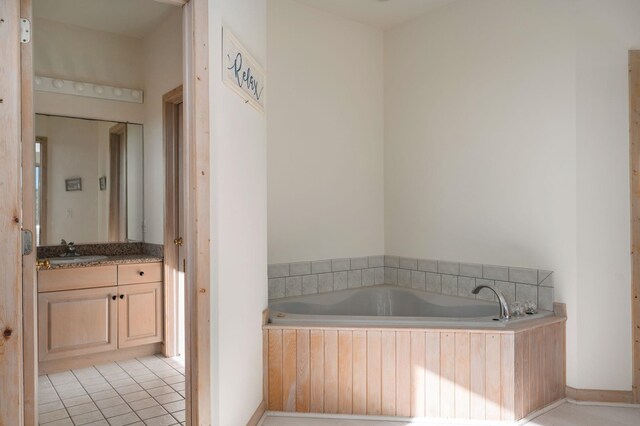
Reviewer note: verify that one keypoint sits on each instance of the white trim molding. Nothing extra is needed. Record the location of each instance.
(90, 90)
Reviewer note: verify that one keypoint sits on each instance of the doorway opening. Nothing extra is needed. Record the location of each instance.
(21, 385)
(174, 221)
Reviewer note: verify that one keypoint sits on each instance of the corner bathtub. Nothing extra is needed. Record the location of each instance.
(390, 306)
(402, 353)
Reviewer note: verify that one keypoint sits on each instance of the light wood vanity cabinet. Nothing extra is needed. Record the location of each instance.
(88, 310)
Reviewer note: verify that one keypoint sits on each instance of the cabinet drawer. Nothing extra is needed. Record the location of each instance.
(76, 278)
(139, 273)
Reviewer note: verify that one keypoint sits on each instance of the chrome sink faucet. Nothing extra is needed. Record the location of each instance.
(505, 312)
(69, 247)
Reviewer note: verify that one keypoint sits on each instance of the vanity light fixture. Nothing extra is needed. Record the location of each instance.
(79, 88)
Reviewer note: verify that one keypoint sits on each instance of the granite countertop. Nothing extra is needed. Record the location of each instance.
(111, 260)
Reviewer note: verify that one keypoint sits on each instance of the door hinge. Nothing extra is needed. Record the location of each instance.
(25, 30)
(27, 242)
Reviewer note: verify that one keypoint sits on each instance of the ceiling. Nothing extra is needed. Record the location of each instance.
(133, 18)
(382, 14)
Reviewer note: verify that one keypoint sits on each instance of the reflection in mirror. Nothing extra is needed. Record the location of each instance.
(89, 181)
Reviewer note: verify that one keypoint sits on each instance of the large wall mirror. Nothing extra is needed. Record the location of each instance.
(89, 181)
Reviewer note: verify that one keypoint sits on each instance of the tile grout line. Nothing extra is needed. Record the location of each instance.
(89, 395)
(154, 398)
(100, 374)
(60, 399)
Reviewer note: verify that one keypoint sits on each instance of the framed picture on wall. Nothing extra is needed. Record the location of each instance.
(73, 184)
(103, 183)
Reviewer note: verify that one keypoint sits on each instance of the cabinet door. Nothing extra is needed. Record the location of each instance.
(77, 322)
(139, 314)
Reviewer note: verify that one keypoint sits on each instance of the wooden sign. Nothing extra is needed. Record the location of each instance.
(241, 72)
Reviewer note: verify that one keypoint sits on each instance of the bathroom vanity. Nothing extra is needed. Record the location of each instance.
(105, 309)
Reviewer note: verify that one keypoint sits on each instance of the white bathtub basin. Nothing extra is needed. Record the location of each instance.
(389, 306)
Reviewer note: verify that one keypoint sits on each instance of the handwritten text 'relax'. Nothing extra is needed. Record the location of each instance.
(245, 78)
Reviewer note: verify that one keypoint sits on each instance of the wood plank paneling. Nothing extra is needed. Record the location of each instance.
(395, 372)
(403, 373)
(388, 373)
(302, 376)
(289, 367)
(374, 373)
(462, 374)
(492, 393)
(330, 371)
(316, 371)
(265, 365)
(477, 364)
(562, 363)
(275, 370)
(359, 372)
(345, 372)
(537, 359)
(526, 372)
(432, 374)
(507, 377)
(519, 375)
(417, 373)
(447, 374)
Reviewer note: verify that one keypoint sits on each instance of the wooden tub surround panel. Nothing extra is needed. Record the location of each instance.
(460, 374)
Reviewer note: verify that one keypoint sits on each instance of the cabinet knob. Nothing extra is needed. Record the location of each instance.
(113, 298)
(122, 296)
(141, 273)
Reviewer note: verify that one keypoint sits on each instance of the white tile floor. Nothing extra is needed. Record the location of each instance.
(566, 414)
(143, 391)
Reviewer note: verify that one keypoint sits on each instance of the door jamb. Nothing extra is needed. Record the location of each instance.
(171, 261)
(197, 224)
(29, 283)
(634, 160)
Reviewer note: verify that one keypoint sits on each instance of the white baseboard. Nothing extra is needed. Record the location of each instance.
(603, 404)
(441, 421)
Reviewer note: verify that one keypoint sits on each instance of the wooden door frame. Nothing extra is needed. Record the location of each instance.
(18, 304)
(634, 161)
(117, 230)
(11, 291)
(170, 100)
(43, 141)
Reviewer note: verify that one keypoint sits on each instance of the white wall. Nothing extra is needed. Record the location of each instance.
(162, 64)
(325, 131)
(63, 50)
(606, 32)
(238, 221)
(506, 141)
(75, 53)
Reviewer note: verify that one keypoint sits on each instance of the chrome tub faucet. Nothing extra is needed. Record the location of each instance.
(505, 312)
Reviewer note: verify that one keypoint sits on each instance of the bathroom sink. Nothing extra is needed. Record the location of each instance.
(76, 259)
